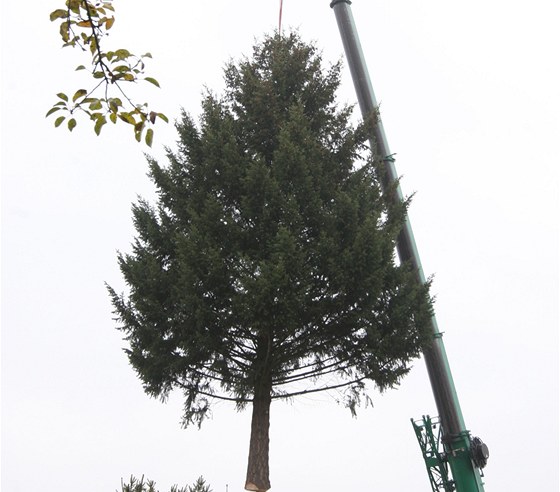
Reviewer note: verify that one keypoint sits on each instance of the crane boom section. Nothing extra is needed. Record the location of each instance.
(456, 438)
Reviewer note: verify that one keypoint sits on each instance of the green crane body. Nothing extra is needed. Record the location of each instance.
(454, 459)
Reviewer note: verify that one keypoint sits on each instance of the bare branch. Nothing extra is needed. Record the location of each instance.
(317, 390)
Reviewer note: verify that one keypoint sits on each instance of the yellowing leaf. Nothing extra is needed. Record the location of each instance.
(85, 23)
(149, 137)
(58, 14)
(109, 23)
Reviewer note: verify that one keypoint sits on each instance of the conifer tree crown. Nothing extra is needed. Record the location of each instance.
(267, 268)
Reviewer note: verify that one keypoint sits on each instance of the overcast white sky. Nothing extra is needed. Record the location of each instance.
(470, 101)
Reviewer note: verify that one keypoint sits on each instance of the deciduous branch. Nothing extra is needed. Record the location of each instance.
(84, 23)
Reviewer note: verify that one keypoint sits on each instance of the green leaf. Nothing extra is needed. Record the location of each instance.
(122, 54)
(74, 5)
(149, 137)
(52, 110)
(113, 117)
(80, 67)
(126, 117)
(99, 124)
(91, 9)
(71, 124)
(143, 116)
(146, 55)
(99, 75)
(79, 93)
(58, 14)
(114, 104)
(151, 80)
(65, 31)
(138, 136)
(95, 104)
(63, 96)
(59, 121)
(93, 46)
(163, 117)
(87, 40)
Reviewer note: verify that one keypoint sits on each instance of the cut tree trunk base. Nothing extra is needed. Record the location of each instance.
(253, 487)
(257, 468)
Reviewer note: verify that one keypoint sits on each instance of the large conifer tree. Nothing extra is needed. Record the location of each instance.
(267, 268)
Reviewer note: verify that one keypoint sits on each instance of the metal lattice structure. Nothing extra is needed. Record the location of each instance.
(429, 433)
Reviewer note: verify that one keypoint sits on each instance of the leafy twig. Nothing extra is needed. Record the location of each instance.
(84, 23)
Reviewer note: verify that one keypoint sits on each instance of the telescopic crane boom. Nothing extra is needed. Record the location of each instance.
(451, 445)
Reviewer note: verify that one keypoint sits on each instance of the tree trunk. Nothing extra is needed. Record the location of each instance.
(257, 468)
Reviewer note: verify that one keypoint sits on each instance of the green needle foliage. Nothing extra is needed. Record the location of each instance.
(267, 269)
(139, 485)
